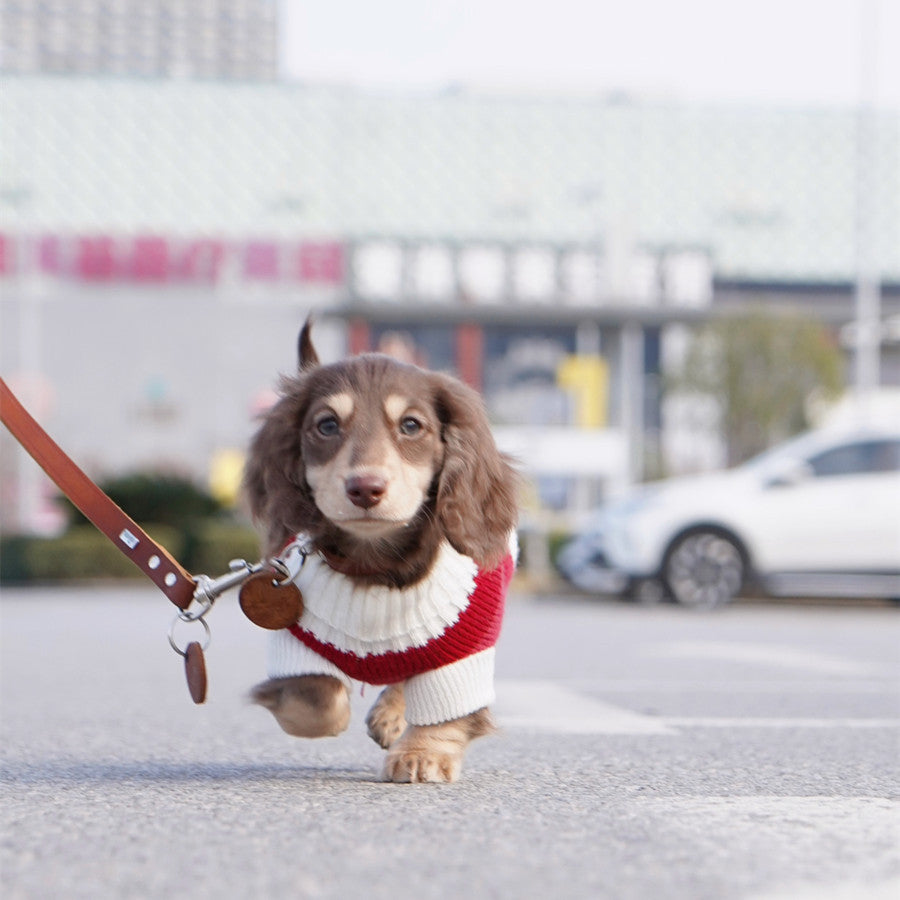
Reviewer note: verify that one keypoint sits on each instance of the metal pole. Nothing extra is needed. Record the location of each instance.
(631, 363)
(867, 293)
(30, 362)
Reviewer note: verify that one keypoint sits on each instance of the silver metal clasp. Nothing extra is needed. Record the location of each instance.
(291, 560)
(208, 590)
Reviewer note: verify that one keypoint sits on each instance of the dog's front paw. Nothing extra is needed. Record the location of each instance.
(421, 766)
(306, 705)
(385, 721)
(428, 753)
(434, 753)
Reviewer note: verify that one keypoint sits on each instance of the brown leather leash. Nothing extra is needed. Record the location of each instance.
(272, 600)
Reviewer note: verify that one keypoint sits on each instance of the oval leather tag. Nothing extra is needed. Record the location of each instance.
(268, 604)
(195, 669)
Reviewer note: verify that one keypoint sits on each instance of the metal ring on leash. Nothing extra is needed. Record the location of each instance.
(183, 618)
(201, 598)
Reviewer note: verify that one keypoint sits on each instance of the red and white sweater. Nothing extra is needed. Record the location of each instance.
(436, 636)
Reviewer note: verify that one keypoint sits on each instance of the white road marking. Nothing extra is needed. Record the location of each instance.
(546, 706)
(780, 656)
(535, 705)
(773, 685)
(852, 890)
(773, 722)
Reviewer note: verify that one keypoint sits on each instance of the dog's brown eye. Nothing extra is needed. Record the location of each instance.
(410, 426)
(328, 426)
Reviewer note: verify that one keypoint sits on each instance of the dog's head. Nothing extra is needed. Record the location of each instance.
(378, 461)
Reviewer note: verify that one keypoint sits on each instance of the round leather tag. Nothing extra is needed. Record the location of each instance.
(195, 670)
(268, 604)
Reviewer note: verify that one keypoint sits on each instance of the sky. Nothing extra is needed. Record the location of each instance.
(784, 52)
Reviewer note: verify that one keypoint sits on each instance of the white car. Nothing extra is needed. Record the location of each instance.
(816, 516)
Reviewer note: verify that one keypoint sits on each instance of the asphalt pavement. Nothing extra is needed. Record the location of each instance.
(749, 752)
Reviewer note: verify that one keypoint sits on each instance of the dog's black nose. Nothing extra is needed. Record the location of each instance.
(365, 491)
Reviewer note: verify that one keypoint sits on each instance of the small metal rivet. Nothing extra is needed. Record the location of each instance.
(153, 562)
(170, 579)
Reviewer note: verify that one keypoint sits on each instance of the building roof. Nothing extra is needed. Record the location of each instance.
(770, 193)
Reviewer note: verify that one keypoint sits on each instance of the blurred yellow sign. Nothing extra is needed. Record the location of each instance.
(225, 473)
(587, 379)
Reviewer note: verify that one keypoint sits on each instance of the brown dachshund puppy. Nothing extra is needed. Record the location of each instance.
(388, 477)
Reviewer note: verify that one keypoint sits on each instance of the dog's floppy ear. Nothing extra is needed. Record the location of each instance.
(307, 358)
(477, 486)
(274, 476)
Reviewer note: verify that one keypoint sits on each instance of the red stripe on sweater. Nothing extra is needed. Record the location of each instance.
(476, 629)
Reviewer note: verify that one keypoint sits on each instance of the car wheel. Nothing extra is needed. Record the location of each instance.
(704, 569)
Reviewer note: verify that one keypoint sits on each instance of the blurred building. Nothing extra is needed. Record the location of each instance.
(161, 241)
(151, 38)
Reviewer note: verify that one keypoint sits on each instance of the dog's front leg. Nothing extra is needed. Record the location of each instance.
(306, 705)
(386, 719)
(434, 753)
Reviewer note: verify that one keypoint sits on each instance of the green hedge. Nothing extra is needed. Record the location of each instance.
(14, 568)
(154, 496)
(212, 545)
(556, 540)
(84, 553)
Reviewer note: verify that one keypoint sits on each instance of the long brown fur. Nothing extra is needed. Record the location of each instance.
(471, 502)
